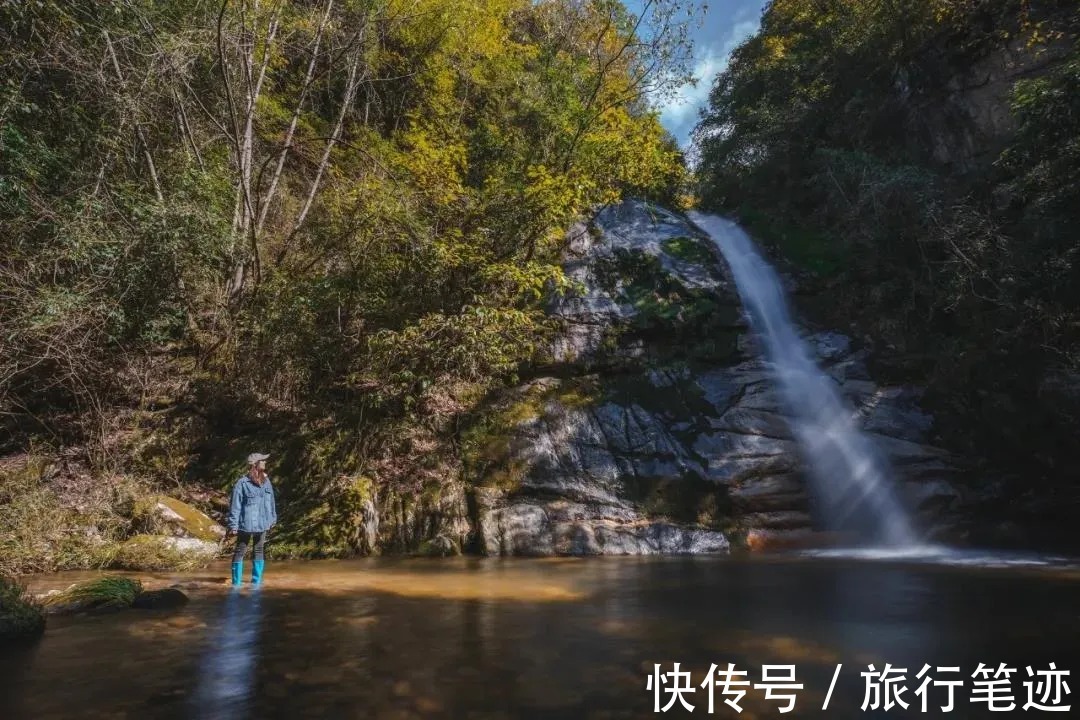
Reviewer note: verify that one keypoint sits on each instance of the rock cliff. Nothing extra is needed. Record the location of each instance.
(656, 428)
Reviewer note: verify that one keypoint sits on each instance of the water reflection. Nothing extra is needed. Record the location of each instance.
(536, 639)
(876, 609)
(227, 670)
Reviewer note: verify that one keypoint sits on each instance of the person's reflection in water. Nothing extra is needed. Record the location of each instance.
(227, 670)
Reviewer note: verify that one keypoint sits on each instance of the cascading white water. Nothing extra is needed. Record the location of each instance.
(850, 480)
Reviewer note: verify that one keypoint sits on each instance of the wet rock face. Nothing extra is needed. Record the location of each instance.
(561, 527)
(429, 524)
(663, 432)
(646, 277)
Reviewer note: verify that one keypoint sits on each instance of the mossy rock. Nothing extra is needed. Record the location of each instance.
(161, 514)
(690, 249)
(439, 546)
(104, 593)
(21, 616)
(627, 269)
(488, 442)
(689, 500)
(664, 308)
(305, 551)
(159, 552)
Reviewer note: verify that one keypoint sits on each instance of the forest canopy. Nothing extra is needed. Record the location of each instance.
(306, 196)
(922, 157)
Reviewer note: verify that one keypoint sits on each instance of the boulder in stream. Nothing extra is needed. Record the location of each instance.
(164, 599)
(162, 552)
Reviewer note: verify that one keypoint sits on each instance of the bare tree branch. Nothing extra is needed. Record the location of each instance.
(138, 127)
(350, 94)
(269, 197)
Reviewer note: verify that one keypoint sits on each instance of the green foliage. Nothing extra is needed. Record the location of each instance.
(487, 450)
(478, 343)
(847, 136)
(21, 616)
(1044, 161)
(806, 248)
(331, 523)
(391, 205)
(311, 212)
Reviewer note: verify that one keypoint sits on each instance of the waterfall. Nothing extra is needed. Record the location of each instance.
(849, 480)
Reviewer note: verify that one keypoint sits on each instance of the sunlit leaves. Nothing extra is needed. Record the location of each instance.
(397, 208)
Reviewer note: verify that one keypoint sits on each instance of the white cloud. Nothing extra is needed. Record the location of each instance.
(681, 113)
(691, 97)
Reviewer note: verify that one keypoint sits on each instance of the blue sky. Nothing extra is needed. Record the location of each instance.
(723, 25)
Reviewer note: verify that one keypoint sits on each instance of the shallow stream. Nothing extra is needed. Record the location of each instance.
(547, 638)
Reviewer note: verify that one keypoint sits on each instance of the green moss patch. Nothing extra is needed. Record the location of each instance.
(306, 551)
(626, 268)
(329, 524)
(440, 546)
(190, 520)
(488, 441)
(690, 249)
(663, 304)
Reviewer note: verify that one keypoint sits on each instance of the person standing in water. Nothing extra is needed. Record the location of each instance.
(252, 513)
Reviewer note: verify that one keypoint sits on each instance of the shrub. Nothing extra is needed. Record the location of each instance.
(21, 616)
(41, 532)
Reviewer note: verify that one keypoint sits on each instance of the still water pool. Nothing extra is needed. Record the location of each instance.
(554, 638)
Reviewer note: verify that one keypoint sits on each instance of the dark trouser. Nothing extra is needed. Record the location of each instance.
(242, 540)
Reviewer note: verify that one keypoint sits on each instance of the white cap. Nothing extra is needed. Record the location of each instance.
(256, 457)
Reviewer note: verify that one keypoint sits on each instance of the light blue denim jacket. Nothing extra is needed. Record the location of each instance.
(252, 508)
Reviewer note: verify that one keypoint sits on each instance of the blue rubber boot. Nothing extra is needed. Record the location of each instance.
(257, 571)
(238, 573)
